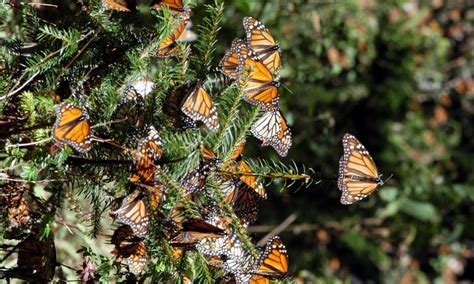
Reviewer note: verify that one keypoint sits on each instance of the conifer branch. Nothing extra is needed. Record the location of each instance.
(73, 59)
(232, 113)
(277, 175)
(208, 31)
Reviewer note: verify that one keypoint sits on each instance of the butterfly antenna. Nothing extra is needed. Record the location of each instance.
(389, 177)
(286, 87)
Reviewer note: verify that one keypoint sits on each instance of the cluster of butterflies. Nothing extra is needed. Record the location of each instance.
(254, 63)
(210, 234)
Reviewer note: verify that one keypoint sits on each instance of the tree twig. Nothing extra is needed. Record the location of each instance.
(13, 92)
(278, 229)
(28, 144)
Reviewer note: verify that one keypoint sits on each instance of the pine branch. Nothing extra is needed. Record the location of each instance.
(208, 32)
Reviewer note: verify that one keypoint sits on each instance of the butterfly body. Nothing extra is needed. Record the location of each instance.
(358, 174)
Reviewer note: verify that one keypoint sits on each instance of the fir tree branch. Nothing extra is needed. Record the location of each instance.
(278, 175)
(208, 31)
(13, 92)
(73, 59)
(231, 115)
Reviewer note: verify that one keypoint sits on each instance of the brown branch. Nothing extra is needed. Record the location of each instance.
(278, 229)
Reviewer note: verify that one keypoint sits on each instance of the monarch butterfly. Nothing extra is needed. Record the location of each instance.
(198, 105)
(37, 258)
(273, 261)
(72, 127)
(229, 64)
(194, 231)
(259, 86)
(175, 6)
(237, 261)
(261, 41)
(150, 151)
(358, 175)
(241, 165)
(131, 108)
(130, 247)
(273, 130)
(133, 212)
(213, 246)
(243, 199)
(120, 5)
(188, 35)
(168, 45)
(155, 194)
(18, 210)
(196, 179)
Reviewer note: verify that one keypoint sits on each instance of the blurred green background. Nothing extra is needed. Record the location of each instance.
(398, 75)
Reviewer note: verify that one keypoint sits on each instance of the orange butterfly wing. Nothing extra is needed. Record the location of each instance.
(245, 204)
(150, 150)
(282, 142)
(259, 279)
(175, 6)
(130, 247)
(134, 213)
(199, 106)
(358, 175)
(120, 5)
(251, 181)
(229, 64)
(274, 260)
(261, 41)
(257, 82)
(168, 44)
(273, 130)
(236, 163)
(72, 127)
